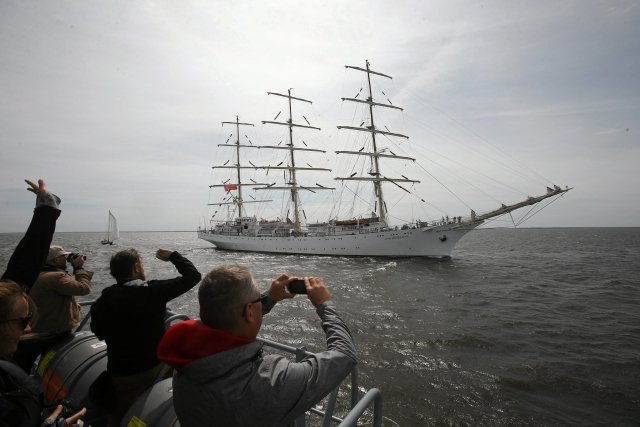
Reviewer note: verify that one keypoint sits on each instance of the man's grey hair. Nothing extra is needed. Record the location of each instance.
(223, 294)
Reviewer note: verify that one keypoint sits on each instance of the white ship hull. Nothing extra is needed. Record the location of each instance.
(425, 242)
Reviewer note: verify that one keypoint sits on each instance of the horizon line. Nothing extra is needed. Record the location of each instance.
(475, 229)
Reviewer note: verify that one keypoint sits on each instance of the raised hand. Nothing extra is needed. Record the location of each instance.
(278, 289)
(40, 189)
(163, 254)
(44, 197)
(317, 291)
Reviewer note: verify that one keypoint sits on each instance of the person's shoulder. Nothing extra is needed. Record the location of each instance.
(7, 381)
(109, 288)
(48, 278)
(45, 274)
(12, 376)
(127, 294)
(108, 293)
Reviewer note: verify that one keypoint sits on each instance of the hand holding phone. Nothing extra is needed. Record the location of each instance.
(297, 287)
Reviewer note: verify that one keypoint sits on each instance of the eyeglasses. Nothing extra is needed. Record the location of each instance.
(24, 321)
(261, 300)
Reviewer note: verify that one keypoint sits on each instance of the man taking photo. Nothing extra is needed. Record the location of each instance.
(222, 375)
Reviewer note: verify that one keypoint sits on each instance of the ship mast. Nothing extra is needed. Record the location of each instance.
(375, 154)
(237, 200)
(292, 183)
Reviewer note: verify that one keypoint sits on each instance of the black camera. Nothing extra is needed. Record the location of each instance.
(297, 287)
(75, 255)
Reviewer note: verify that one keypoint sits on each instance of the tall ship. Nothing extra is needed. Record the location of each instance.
(372, 234)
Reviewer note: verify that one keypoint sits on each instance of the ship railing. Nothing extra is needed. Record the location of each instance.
(358, 407)
(85, 319)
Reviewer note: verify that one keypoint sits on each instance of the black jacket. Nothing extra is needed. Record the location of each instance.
(28, 257)
(131, 318)
(20, 398)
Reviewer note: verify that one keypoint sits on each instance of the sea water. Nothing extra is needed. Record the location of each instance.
(535, 327)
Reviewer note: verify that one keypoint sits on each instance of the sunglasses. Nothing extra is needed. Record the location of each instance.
(24, 321)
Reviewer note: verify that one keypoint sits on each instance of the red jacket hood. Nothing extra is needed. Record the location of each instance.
(191, 340)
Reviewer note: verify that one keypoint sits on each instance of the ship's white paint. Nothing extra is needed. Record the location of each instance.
(425, 241)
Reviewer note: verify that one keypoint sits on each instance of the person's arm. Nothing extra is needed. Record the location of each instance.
(277, 292)
(27, 258)
(64, 284)
(338, 335)
(297, 386)
(172, 288)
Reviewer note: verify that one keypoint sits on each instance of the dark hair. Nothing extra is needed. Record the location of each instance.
(122, 263)
(222, 294)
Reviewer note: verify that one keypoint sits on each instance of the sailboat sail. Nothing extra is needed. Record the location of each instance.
(113, 233)
(363, 235)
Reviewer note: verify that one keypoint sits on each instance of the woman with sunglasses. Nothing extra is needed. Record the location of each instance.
(20, 395)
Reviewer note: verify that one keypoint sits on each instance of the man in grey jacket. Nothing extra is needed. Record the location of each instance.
(221, 376)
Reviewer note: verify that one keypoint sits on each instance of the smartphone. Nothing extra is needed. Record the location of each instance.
(297, 287)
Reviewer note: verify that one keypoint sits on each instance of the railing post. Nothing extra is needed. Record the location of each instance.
(330, 407)
(374, 395)
(301, 353)
(172, 318)
(87, 317)
(354, 387)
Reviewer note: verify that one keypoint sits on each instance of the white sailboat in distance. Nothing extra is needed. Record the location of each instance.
(113, 233)
(365, 235)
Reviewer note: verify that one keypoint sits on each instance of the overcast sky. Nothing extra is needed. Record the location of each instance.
(118, 105)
